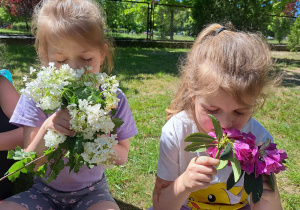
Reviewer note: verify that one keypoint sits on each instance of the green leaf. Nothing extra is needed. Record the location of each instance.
(258, 189)
(59, 166)
(41, 170)
(118, 122)
(271, 181)
(48, 152)
(248, 182)
(82, 92)
(197, 147)
(222, 164)
(79, 164)
(227, 154)
(68, 94)
(231, 180)
(15, 167)
(57, 153)
(52, 176)
(217, 127)
(236, 167)
(50, 111)
(78, 147)
(114, 112)
(199, 137)
(10, 154)
(19, 154)
(70, 142)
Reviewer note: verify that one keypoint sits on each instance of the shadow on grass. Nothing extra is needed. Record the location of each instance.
(133, 61)
(126, 206)
(288, 62)
(20, 58)
(290, 78)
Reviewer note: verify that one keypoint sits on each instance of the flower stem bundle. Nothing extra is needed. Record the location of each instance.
(91, 100)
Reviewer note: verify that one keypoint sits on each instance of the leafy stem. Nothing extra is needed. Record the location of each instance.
(54, 164)
(4, 177)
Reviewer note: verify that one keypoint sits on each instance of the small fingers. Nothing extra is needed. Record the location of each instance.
(60, 122)
(63, 130)
(205, 160)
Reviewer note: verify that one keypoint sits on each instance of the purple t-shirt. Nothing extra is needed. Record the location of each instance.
(27, 114)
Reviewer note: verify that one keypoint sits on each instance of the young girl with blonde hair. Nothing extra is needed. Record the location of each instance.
(225, 74)
(69, 32)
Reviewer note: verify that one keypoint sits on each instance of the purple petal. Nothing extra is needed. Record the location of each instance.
(272, 166)
(211, 151)
(259, 167)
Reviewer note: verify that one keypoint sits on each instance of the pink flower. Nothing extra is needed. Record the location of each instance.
(212, 151)
(272, 158)
(263, 159)
(246, 154)
(229, 135)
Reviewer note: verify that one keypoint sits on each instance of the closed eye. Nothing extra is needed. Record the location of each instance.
(87, 60)
(239, 113)
(212, 111)
(61, 62)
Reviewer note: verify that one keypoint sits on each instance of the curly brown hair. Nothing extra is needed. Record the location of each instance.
(238, 63)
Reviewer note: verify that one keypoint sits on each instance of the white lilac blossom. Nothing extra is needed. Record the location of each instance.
(89, 108)
(98, 151)
(53, 139)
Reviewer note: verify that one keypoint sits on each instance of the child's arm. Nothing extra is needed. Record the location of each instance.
(10, 139)
(270, 200)
(122, 149)
(8, 99)
(172, 195)
(34, 136)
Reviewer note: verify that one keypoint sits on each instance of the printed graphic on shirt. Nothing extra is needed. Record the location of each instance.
(216, 196)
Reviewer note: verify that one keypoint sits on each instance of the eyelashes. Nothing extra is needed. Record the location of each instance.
(85, 60)
(217, 110)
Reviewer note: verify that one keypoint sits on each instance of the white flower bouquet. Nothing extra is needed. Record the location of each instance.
(91, 110)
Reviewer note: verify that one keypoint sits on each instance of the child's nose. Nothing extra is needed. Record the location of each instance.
(74, 64)
(226, 125)
(226, 122)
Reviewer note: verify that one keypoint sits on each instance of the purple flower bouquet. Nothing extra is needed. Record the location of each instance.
(239, 150)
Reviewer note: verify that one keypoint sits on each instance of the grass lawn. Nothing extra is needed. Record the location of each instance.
(149, 77)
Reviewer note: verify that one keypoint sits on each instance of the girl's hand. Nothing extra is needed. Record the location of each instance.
(60, 122)
(199, 173)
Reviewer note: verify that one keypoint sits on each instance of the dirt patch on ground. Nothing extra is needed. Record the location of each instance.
(285, 185)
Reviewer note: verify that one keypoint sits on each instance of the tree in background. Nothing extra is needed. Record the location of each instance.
(281, 27)
(294, 37)
(292, 7)
(246, 15)
(5, 17)
(125, 16)
(21, 9)
(283, 12)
